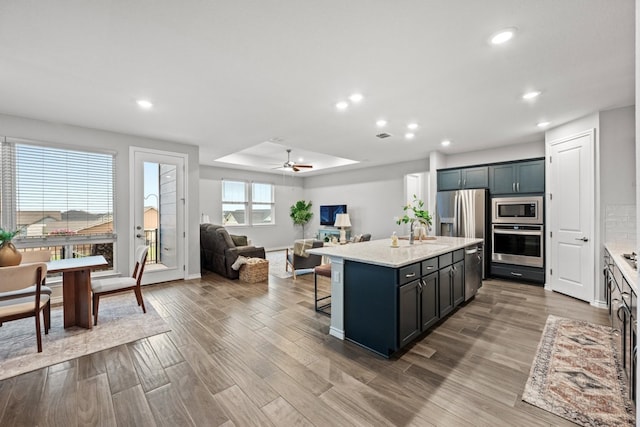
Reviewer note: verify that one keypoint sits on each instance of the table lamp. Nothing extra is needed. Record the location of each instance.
(342, 221)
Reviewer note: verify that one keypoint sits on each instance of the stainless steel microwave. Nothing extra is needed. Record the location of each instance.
(517, 210)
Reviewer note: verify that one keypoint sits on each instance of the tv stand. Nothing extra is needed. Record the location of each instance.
(331, 232)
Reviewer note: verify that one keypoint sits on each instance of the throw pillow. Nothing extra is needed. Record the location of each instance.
(239, 240)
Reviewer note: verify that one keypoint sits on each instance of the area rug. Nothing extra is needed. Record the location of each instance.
(121, 321)
(576, 374)
(277, 263)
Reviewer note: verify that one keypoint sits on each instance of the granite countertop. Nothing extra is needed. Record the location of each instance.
(380, 252)
(616, 250)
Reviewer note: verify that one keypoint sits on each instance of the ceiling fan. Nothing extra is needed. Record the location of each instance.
(293, 165)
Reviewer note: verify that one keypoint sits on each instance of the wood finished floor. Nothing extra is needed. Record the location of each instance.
(257, 354)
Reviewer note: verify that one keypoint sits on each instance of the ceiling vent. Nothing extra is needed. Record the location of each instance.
(383, 135)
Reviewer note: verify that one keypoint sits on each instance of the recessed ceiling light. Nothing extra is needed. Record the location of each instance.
(503, 36)
(381, 123)
(531, 95)
(143, 103)
(301, 159)
(342, 105)
(412, 126)
(409, 135)
(543, 124)
(445, 143)
(356, 97)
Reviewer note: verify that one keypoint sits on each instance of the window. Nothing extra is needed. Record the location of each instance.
(244, 204)
(262, 205)
(58, 198)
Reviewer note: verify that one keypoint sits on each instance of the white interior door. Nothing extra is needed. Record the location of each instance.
(571, 208)
(158, 216)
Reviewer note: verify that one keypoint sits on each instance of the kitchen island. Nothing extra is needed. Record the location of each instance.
(383, 297)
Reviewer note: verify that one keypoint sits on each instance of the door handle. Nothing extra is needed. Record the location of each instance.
(139, 236)
(513, 186)
(584, 239)
(518, 187)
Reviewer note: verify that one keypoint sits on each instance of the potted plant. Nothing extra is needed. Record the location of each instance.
(420, 215)
(301, 213)
(9, 255)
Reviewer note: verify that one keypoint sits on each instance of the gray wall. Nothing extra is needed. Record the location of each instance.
(84, 138)
(288, 189)
(374, 196)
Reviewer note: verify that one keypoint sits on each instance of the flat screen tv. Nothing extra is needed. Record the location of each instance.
(328, 213)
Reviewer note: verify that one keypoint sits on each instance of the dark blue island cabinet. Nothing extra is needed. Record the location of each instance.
(386, 308)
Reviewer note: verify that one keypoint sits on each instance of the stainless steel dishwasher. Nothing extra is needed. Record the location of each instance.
(472, 270)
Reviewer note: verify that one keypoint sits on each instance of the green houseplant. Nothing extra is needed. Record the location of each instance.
(420, 215)
(9, 255)
(301, 213)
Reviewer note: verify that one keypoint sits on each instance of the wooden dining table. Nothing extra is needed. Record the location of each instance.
(76, 288)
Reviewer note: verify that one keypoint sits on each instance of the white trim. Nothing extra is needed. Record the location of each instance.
(185, 184)
(338, 333)
(595, 202)
(194, 276)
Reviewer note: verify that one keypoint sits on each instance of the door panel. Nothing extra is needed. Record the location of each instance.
(571, 208)
(158, 213)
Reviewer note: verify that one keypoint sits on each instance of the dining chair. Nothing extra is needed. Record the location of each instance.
(21, 295)
(29, 257)
(102, 287)
(43, 255)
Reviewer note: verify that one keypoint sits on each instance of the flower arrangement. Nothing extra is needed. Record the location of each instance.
(420, 215)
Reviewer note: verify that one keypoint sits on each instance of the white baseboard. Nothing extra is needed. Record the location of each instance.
(194, 276)
(338, 333)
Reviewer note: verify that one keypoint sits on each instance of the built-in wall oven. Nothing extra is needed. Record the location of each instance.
(518, 244)
(517, 231)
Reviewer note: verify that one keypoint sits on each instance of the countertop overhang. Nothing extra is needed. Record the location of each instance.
(380, 252)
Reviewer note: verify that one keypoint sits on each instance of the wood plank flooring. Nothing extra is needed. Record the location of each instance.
(258, 354)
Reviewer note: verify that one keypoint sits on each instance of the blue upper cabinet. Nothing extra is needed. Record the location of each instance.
(456, 179)
(517, 178)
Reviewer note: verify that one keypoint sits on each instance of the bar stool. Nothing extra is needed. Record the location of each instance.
(321, 270)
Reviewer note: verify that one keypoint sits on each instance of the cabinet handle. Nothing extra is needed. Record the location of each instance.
(513, 273)
(513, 187)
(458, 183)
(421, 284)
(464, 183)
(430, 267)
(518, 187)
(410, 275)
(618, 313)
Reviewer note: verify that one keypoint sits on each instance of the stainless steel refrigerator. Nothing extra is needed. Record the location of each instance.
(465, 213)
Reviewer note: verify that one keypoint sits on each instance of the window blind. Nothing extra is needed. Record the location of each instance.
(52, 192)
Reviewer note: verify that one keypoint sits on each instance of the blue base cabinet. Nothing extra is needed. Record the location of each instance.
(387, 308)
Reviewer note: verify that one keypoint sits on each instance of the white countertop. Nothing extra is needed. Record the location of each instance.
(616, 250)
(380, 252)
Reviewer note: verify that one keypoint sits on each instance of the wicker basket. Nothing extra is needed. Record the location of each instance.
(255, 270)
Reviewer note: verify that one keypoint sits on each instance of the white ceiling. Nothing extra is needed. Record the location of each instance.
(231, 75)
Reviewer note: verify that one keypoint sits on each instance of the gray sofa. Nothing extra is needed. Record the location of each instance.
(219, 250)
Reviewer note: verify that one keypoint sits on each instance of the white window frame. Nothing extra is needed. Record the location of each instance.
(272, 203)
(248, 203)
(8, 200)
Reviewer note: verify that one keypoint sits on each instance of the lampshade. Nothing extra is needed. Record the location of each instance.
(342, 220)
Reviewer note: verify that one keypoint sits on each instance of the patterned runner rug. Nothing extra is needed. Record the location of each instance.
(120, 321)
(576, 374)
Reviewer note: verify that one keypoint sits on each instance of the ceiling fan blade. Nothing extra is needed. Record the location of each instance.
(295, 168)
(303, 166)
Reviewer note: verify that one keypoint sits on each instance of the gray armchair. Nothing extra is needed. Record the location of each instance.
(301, 262)
(219, 250)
